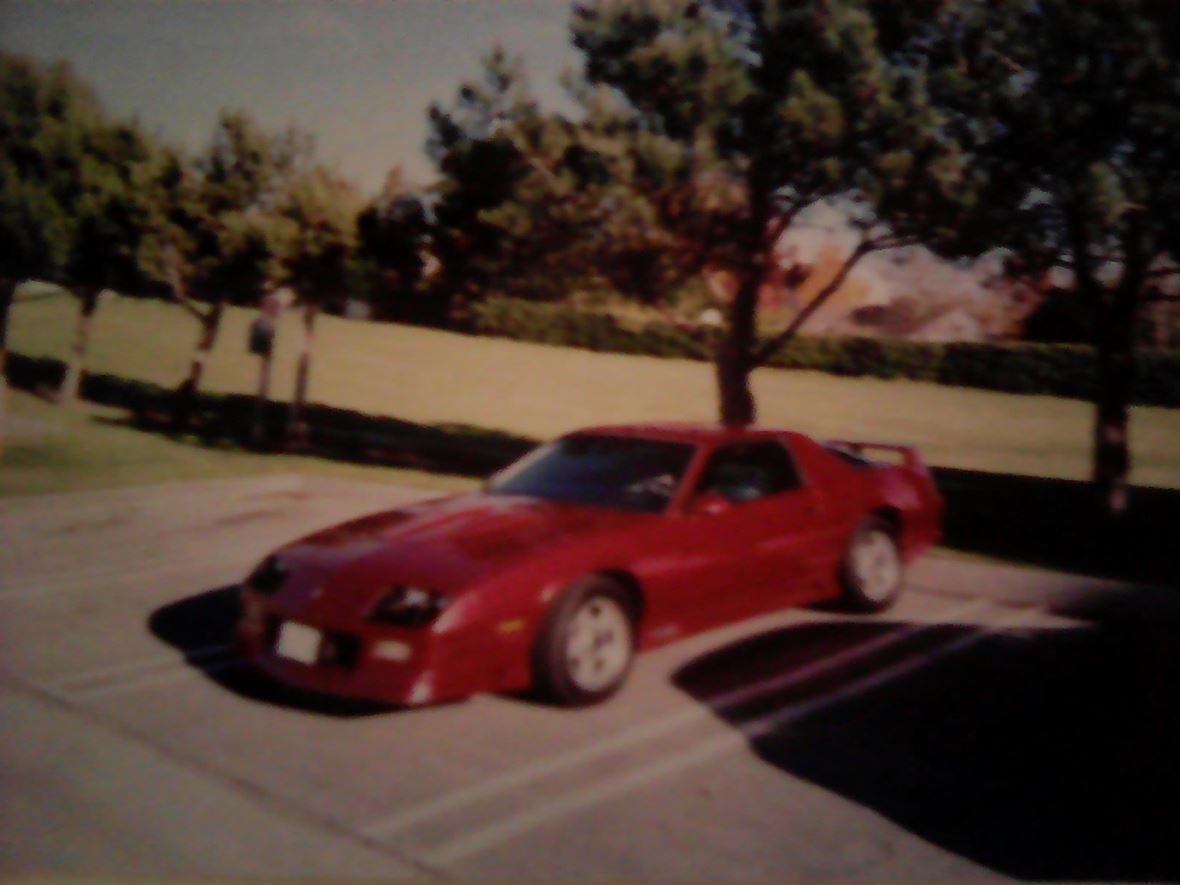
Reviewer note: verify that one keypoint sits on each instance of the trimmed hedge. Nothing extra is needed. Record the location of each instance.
(1066, 370)
(226, 418)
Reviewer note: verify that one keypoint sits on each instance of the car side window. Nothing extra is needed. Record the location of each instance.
(749, 471)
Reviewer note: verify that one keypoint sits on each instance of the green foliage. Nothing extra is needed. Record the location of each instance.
(536, 206)
(481, 164)
(223, 223)
(707, 128)
(33, 227)
(1051, 369)
(389, 266)
(316, 247)
(71, 205)
(1072, 113)
(753, 111)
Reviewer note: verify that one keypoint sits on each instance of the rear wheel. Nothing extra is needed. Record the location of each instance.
(872, 571)
(585, 647)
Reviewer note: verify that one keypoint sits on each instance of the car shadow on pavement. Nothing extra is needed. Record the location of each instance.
(205, 621)
(1043, 753)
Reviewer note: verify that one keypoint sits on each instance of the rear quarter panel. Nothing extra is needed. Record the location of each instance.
(851, 493)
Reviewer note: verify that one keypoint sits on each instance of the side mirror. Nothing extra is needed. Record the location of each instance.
(709, 504)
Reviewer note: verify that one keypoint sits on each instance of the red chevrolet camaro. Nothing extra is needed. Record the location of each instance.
(598, 544)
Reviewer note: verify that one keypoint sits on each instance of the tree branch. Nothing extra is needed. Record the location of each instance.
(185, 302)
(176, 289)
(779, 224)
(779, 341)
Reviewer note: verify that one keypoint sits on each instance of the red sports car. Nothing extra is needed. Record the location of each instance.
(601, 543)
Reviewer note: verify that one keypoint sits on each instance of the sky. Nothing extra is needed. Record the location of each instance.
(357, 74)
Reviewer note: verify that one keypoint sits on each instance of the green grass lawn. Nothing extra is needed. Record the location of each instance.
(50, 449)
(431, 377)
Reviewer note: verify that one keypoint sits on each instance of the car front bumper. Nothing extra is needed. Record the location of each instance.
(366, 662)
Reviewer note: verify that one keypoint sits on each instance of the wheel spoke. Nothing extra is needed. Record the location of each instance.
(598, 644)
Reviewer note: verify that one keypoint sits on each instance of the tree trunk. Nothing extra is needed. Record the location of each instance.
(1116, 375)
(767, 352)
(735, 356)
(186, 393)
(258, 419)
(296, 426)
(7, 288)
(75, 365)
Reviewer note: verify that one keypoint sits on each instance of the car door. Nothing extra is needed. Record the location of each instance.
(750, 527)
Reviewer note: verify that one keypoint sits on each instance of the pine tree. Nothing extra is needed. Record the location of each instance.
(739, 115)
(1072, 112)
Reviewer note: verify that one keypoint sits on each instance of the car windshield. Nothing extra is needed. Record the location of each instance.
(604, 471)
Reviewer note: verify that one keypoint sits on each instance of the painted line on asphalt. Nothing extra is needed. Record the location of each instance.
(154, 680)
(162, 493)
(79, 680)
(132, 561)
(458, 799)
(505, 829)
(210, 560)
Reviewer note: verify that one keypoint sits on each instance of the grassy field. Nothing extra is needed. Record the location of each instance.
(49, 449)
(432, 377)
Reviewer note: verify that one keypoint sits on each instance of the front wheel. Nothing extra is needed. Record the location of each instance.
(872, 570)
(586, 644)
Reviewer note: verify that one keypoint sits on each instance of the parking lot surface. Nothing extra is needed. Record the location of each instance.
(957, 736)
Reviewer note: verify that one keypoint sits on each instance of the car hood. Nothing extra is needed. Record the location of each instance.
(444, 545)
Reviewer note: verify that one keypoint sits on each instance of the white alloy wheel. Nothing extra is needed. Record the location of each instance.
(598, 644)
(872, 567)
(875, 560)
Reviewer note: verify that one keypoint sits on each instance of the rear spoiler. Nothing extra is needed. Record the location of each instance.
(910, 459)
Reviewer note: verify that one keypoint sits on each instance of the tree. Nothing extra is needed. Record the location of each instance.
(533, 205)
(108, 219)
(498, 213)
(33, 227)
(389, 264)
(322, 210)
(1073, 111)
(72, 199)
(740, 115)
(215, 233)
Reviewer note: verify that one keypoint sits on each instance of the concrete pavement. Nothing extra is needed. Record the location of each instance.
(802, 745)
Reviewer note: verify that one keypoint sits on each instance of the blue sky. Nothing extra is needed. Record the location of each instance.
(358, 74)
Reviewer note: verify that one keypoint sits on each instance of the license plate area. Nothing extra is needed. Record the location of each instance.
(298, 642)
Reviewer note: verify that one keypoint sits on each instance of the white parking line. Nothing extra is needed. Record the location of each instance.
(513, 826)
(152, 680)
(163, 494)
(235, 558)
(124, 669)
(406, 818)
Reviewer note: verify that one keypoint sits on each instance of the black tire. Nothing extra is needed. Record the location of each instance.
(872, 573)
(596, 614)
